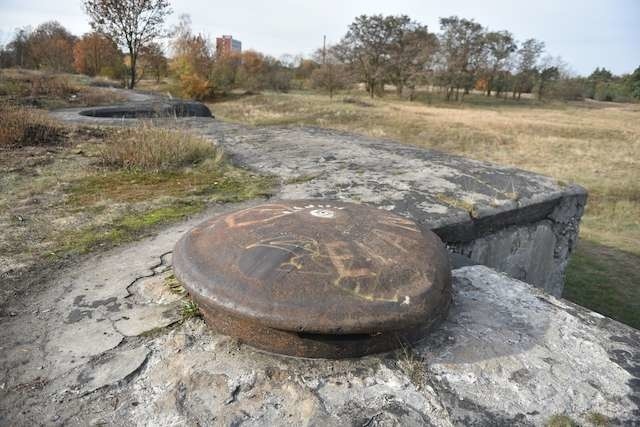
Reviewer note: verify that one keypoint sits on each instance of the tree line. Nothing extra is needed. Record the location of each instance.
(378, 52)
(464, 56)
(51, 47)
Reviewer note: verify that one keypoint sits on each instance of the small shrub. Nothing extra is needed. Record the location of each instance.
(411, 364)
(194, 86)
(153, 149)
(26, 126)
(598, 420)
(189, 310)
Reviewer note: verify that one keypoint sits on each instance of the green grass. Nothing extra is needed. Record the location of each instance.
(189, 310)
(592, 270)
(222, 184)
(124, 229)
(174, 196)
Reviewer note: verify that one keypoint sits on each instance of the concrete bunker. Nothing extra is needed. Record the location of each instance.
(151, 110)
(314, 278)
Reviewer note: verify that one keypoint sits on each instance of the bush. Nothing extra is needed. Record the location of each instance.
(566, 90)
(25, 126)
(194, 86)
(153, 149)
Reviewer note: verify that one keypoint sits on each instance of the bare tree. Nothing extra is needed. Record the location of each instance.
(132, 24)
(331, 75)
(18, 48)
(154, 61)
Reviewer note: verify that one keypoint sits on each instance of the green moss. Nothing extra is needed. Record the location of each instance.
(561, 421)
(127, 228)
(188, 192)
(226, 184)
(301, 179)
(597, 419)
(457, 203)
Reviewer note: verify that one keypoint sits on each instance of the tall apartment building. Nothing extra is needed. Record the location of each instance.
(227, 44)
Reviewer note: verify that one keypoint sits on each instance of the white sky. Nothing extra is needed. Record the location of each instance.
(586, 33)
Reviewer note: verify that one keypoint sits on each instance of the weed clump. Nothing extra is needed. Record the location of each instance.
(189, 310)
(151, 149)
(411, 364)
(26, 126)
(174, 285)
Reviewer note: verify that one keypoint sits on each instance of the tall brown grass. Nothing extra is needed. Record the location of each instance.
(146, 148)
(49, 90)
(20, 126)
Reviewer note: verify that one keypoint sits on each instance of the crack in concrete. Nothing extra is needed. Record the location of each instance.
(153, 272)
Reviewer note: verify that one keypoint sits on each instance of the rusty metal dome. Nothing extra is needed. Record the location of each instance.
(312, 278)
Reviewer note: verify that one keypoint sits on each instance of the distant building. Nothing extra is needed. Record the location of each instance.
(226, 45)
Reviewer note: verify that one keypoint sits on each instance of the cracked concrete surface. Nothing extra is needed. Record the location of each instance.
(475, 207)
(103, 342)
(508, 354)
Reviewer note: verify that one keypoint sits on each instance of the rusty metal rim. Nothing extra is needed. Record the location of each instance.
(192, 279)
(316, 346)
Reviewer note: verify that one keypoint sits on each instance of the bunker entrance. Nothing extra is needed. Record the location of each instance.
(311, 278)
(152, 110)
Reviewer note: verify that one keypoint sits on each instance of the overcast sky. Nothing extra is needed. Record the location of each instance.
(586, 33)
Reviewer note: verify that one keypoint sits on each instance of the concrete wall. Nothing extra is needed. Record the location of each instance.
(536, 253)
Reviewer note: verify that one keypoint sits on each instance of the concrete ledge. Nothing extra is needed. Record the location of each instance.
(481, 210)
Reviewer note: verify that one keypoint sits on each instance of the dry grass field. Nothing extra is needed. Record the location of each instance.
(593, 144)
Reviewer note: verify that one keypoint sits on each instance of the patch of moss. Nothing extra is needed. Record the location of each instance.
(598, 420)
(301, 179)
(125, 229)
(561, 421)
(458, 203)
(226, 184)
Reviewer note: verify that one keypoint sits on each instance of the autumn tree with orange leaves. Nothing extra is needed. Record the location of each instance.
(94, 54)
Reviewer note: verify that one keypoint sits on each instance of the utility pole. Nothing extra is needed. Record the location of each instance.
(324, 49)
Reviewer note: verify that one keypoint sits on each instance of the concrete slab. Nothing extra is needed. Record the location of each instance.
(475, 207)
(508, 354)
